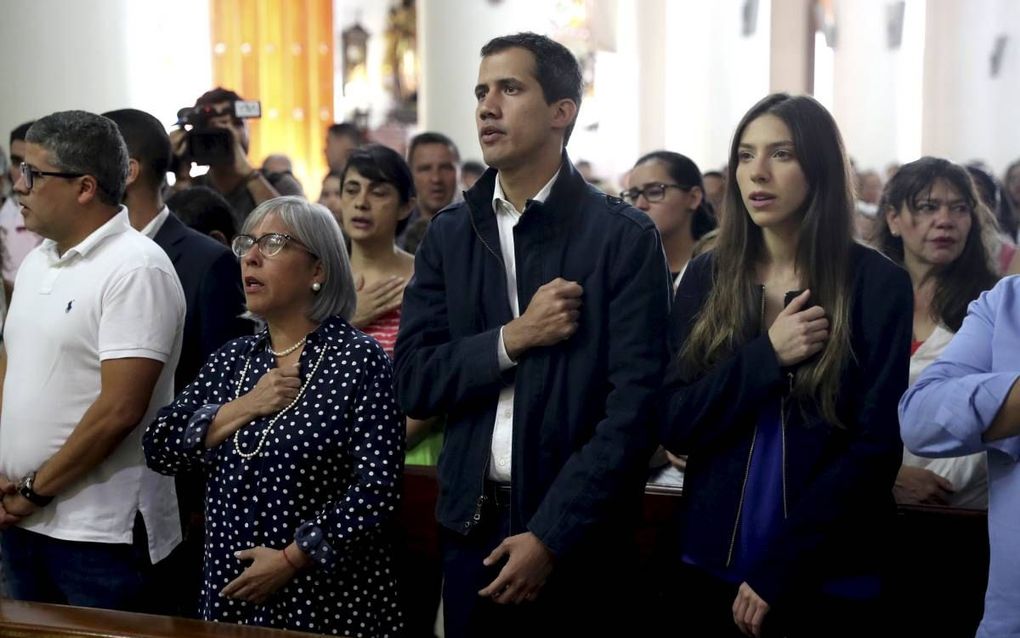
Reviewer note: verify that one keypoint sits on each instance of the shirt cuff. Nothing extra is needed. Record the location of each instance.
(312, 541)
(505, 362)
(981, 404)
(198, 427)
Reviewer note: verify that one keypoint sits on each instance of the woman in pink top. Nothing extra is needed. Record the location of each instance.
(376, 198)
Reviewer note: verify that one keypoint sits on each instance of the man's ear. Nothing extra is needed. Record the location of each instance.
(220, 237)
(564, 113)
(88, 190)
(134, 170)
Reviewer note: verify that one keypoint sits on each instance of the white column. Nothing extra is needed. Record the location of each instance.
(716, 72)
(968, 113)
(792, 40)
(876, 89)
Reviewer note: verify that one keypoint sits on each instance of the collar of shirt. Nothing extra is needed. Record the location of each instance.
(502, 205)
(152, 228)
(117, 224)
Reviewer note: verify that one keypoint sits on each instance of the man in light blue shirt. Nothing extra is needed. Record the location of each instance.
(968, 401)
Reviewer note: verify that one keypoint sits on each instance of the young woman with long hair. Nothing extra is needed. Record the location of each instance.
(792, 346)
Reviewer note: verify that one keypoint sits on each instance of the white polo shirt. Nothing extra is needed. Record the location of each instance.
(113, 296)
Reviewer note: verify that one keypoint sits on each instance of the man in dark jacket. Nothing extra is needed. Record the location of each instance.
(211, 279)
(536, 322)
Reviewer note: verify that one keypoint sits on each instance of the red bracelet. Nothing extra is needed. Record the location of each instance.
(287, 558)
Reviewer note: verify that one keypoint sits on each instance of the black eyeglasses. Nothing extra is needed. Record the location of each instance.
(269, 244)
(655, 192)
(29, 174)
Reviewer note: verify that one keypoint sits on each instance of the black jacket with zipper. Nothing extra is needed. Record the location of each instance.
(837, 480)
(582, 429)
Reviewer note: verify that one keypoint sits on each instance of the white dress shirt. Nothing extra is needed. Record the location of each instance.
(507, 218)
(152, 228)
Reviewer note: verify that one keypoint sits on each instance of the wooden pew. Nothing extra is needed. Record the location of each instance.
(938, 566)
(938, 559)
(36, 620)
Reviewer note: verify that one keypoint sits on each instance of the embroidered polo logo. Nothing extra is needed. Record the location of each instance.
(68, 309)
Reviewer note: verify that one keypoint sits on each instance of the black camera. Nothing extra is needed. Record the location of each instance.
(208, 145)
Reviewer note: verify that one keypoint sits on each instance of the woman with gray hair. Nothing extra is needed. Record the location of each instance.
(299, 436)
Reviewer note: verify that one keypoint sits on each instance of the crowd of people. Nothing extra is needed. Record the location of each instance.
(211, 389)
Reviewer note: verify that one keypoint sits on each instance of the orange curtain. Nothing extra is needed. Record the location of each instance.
(281, 53)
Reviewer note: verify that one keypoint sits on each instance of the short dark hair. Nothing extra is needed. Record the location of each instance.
(204, 210)
(431, 137)
(472, 166)
(217, 95)
(82, 142)
(19, 132)
(556, 68)
(380, 163)
(685, 172)
(713, 174)
(346, 129)
(147, 143)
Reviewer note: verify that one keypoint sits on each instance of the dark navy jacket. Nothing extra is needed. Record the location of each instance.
(837, 480)
(211, 279)
(582, 408)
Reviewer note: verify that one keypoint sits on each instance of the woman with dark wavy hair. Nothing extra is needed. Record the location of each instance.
(934, 224)
(792, 345)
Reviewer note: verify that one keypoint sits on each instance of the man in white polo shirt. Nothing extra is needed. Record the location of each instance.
(91, 343)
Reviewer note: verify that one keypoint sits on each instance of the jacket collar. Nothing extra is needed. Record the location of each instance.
(172, 232)
(565, 200)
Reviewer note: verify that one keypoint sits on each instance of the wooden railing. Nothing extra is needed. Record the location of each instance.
(36, 620)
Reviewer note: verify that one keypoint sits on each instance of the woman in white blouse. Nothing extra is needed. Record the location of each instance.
(933, 224)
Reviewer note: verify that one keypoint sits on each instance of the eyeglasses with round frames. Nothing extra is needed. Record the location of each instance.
(29, 173)
(269, 244)
(654, 192)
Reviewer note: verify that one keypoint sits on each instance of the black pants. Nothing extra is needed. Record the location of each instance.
(705, 608)
(586, 595)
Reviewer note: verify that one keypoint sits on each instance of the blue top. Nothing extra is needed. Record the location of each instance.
(326, 474)
(761, 508)
(947, 410)
(761, 512)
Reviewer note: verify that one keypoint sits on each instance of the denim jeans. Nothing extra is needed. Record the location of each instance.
(42, 569)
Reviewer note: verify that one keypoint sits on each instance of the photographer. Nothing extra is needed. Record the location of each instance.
(241, 183)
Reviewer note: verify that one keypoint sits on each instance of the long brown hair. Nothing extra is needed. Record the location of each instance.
(957, 283)
(731, 315)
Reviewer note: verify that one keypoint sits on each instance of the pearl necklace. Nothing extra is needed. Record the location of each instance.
(286, 351)
(272, 422)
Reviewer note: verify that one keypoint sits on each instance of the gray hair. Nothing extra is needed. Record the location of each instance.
(82, 142)
(315, 227)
